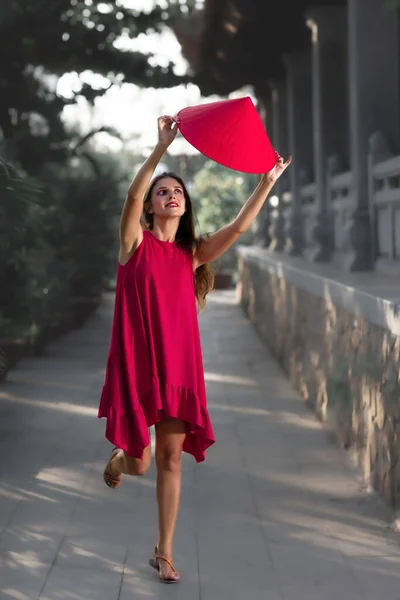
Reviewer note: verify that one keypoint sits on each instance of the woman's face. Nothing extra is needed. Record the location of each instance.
(167, 199)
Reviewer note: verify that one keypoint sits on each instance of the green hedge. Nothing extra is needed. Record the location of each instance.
(58, 248)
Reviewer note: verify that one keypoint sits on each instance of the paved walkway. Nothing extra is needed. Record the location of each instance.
(274, 513)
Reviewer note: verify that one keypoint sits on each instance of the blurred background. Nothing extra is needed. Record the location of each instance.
(82, 83)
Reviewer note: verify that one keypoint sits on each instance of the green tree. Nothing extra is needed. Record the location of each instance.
(219, 194)
(58, 247)
(43, 40)
(21, 199)
(185, 166)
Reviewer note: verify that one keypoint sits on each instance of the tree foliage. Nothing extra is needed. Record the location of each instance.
(219, 194)
(59, 199)
(42, 40)
(58, 242)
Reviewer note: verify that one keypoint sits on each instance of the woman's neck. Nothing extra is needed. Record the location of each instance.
(165, 230)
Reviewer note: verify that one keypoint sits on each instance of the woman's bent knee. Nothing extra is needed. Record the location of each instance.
(136, 466)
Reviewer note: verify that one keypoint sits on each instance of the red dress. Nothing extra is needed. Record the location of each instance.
(154, 367)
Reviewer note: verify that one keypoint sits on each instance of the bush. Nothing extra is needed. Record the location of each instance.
(58, 248)
(219, 194)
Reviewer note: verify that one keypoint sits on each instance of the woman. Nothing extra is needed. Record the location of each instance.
(154, 372)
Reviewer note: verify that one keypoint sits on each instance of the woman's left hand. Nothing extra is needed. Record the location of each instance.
(280, 167)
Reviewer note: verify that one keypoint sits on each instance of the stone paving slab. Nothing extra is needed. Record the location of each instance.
(275, 512)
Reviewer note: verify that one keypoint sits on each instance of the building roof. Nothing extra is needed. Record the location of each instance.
(241, 42)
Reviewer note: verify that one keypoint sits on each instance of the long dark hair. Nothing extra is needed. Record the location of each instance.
(185, 237)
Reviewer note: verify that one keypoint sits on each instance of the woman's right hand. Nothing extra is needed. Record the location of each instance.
(166, 133)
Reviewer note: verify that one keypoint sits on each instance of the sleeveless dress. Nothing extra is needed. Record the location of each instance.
(154, 367)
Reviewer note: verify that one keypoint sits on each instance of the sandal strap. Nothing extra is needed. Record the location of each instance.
(160, 557)
(112, 477)
(108, 474)
(113, 454)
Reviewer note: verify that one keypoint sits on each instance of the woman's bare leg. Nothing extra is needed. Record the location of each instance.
(170, 435)
(120, 463)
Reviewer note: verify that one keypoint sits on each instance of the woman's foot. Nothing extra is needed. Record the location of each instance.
(111, 477)
(165, 567)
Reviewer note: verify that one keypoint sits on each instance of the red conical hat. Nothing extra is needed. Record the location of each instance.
(230, 132)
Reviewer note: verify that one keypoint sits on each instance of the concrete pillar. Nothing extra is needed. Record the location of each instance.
(299, 117)
(373, 105)
(279, 133)
(261, 226)
(328, 27)
(264, 220)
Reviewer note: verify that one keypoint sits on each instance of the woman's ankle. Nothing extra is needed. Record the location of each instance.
(164, 550)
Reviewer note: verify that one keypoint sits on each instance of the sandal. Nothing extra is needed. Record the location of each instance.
(155, 563)
(113, 481)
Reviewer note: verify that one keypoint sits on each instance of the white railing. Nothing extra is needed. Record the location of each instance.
(287, 198)
(307, 194)
(384, 203)
(309, 209)
(384, 188)
(286, 207)
(341, 200)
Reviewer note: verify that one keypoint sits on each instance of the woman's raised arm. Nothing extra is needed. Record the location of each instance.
(130, 231)
(218, 243)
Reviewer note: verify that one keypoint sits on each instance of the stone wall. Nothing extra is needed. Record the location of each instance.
(345, 367)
